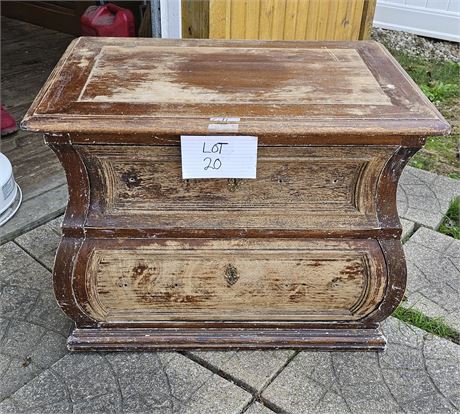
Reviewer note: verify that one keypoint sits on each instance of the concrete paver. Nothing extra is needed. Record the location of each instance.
(408, 228)
(254, 369)
(257, 408)
(33, 329)
(423, 197)
(129, 383)
(34, 212)
(42, 242)
(433, 273)
(411, 376)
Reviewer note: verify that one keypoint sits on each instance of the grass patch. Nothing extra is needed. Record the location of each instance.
(439, 155)
(440, 81)
(439, 91)
(451, 222)
(436, 326)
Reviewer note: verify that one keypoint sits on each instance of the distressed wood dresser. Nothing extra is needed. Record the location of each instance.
(307, 255)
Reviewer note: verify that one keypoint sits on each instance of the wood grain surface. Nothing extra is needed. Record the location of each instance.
(300, 89)
(235, 280)
(307, 188)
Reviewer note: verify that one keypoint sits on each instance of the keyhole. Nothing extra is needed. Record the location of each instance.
(231, 274)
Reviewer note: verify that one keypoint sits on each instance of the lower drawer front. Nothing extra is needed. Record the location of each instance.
(234, 280)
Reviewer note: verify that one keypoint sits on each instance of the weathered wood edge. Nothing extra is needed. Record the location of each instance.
(384, 232)
(397, 278)
(273, 140)
(416, 89)
(296, 129)
(151, 339)
(387, 187)
(75, 215)
(387, 213)
(30, 114)
(77, 183)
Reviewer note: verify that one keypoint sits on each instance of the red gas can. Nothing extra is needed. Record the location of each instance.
(107, 20)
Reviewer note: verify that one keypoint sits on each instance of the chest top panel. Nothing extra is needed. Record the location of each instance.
(225, 76)
(116, 85)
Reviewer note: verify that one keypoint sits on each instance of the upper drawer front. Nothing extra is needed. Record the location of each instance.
(205, 279)
(295, 188)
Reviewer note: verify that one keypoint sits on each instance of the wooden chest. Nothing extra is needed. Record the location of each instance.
(307, 255)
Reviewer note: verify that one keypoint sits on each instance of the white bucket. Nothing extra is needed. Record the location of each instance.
(10, 193)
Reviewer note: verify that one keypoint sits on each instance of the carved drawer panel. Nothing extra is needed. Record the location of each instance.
(296, 188)
(233, 280)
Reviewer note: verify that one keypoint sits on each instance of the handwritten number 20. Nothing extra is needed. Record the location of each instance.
(213, 165)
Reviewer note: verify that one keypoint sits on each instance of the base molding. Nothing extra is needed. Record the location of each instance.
(169, 339)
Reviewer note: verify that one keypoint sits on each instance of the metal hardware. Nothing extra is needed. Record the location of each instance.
(233, 184)
(231, 274)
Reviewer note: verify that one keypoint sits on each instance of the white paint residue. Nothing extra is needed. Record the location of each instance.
(223, 127)
(223, 119)
(331, 53)
(83, 62)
